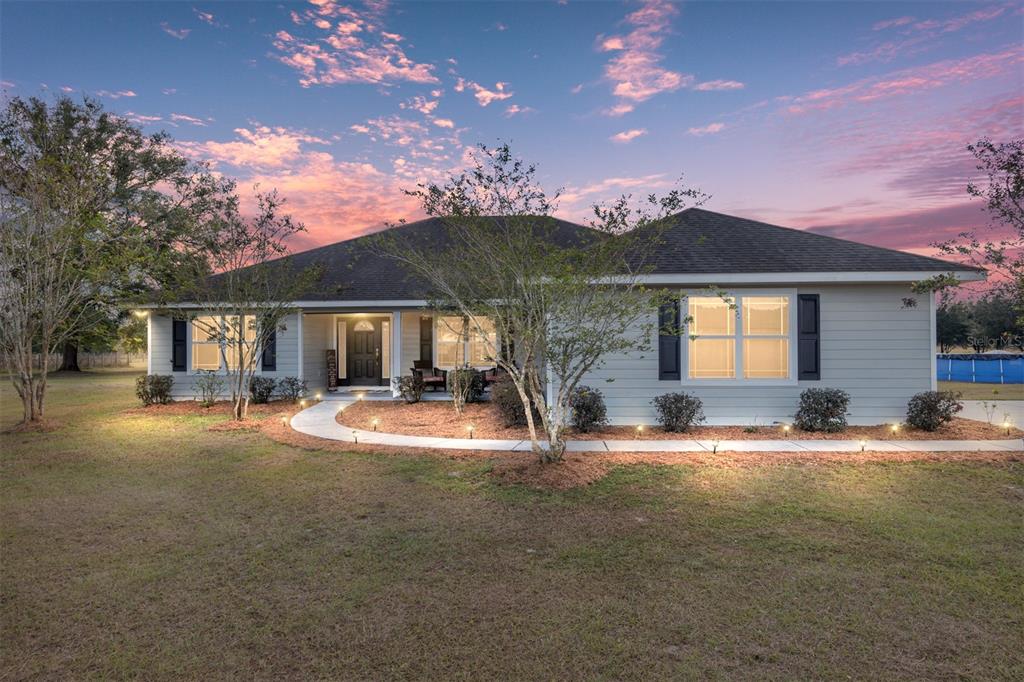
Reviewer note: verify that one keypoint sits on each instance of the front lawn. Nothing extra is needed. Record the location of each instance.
(138, 545)
(972, 391)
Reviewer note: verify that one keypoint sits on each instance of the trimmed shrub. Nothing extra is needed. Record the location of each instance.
(822, 409)
(466, 386)
(929, 410)
(154, 389)
(588, 410)
(292, 388)
(410, 388)
(210, 386)
(261, 388)
(678, 411)
(505, 399)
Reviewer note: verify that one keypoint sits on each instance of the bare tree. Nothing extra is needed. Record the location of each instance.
(252, 291)
(560, 298)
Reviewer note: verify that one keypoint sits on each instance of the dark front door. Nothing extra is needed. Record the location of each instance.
(364, 352)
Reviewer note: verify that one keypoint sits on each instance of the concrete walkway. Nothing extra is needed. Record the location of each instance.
(319, 420)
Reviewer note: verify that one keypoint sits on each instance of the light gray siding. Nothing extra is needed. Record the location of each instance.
(410, 340)
(184, 382)
(317, 337)
(871, 347)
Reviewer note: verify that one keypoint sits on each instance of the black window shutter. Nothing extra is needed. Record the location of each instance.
(808, 337)
(426, 339)
(668, 342)
(178, 354)
(268, 362)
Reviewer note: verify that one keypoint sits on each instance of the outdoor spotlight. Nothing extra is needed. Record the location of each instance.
(375, 422)
(302, 403)
(470, 429)
(360, 397)
(639, 430)
(1006, 425)
(895, 428)
(284, 420)
(355, 436)
(863, 444)
(785, 428)
(319, 396)
(714, 446)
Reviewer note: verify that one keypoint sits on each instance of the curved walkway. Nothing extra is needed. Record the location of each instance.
(320, 421)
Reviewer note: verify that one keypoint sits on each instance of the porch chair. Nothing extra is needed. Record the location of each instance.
(430, 376)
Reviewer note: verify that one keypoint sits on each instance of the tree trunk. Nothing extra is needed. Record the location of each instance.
(69, 359)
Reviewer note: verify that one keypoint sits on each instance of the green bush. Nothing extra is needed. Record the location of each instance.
(466, 383)
(929, 410)
(210, 386)
(154, 389)
(505, 399)
(410, 388)
(292, 388)
(261, 388)
(678, 411)
(822, 409)
(588, 410)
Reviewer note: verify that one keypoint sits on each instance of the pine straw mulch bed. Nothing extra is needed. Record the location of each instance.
(438, 419)
(577, 469)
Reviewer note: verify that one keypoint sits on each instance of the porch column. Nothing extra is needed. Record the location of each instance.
(396, 349)
(298, 329)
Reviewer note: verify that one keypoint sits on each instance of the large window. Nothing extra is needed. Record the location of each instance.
(208, 332)
(765, 337)
(746, 337)
(460, 341)
(712, 339)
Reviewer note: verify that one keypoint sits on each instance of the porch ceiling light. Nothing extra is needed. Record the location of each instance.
(140, 313)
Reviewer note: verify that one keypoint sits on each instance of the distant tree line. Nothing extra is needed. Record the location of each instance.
(987, 323)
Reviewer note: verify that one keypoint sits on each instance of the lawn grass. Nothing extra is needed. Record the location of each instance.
(971, 391)
(139, 546)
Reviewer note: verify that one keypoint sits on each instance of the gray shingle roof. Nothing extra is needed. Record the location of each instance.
(696, 241)
(353, 271)
(701, 241)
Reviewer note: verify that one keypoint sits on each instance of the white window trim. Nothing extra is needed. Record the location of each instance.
(222, 370)
(737, 296)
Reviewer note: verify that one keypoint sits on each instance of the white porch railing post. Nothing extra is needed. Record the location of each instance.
(396, 349)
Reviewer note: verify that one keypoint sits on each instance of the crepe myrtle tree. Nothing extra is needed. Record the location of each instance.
(561, 299)
(252, 288)
(999, 247)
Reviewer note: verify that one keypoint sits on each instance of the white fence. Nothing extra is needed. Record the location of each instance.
(91, 360)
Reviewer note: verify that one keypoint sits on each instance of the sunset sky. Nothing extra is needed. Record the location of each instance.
(845, 118)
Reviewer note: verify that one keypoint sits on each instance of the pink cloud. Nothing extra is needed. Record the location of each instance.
(116, 94)
(66, 88)
(576, 89)
(141, 119)
(719, 85)
(169, 91)
(206, 17)
(420, 104)
(444, 122)
(617, 110)
(920, 35)
(891, 23)
(515, 110)
(258, 147)
(185, 118)
(484, 96)
(709, 129)
(628, 135)
(635, 71)
(355, 50)
(179, 33)
(577, 201)
(907, 81)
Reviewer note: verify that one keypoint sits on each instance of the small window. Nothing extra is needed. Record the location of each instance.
(246, 326)
(451, 350)
(206, 343)
(712, 345)
(363, 326)
(483, 342)
(765, 337)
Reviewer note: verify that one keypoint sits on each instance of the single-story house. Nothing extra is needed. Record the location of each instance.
(811, 311)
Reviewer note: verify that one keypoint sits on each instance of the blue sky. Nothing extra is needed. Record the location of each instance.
(845, 117)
